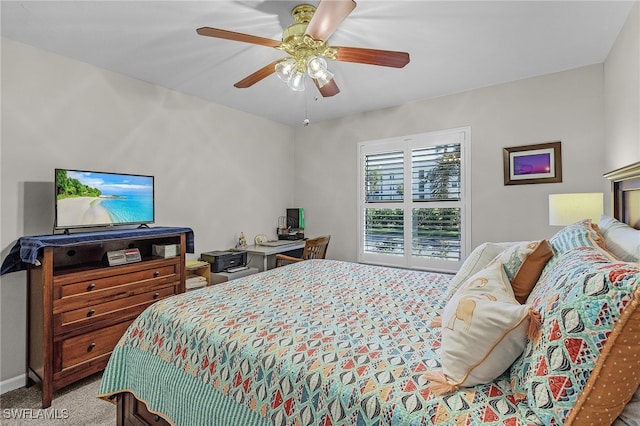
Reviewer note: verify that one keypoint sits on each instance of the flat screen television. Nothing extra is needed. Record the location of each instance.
(87, 198)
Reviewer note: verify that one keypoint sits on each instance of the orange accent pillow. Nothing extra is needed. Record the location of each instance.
(530, 270)
(523, 264)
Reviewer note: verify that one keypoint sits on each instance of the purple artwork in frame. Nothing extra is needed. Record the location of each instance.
(540, 163)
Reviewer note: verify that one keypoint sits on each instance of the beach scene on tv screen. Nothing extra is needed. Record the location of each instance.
(93, 198)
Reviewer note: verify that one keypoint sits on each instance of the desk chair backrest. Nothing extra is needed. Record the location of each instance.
(316, 248)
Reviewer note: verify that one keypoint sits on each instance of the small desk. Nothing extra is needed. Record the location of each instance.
(264, 257)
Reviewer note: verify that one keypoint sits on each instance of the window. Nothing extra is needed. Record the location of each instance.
(414, 201)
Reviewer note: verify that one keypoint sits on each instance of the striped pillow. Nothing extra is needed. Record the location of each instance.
(579, 234)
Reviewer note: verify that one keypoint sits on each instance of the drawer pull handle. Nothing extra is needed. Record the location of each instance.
(156, 418)
(91, 312)
(156, 295)
(91, 346)
(91, 286)
(156, 274)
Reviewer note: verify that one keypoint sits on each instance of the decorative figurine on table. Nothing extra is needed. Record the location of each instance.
(242, 242)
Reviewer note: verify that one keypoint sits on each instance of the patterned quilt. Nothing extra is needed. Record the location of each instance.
(319, 342)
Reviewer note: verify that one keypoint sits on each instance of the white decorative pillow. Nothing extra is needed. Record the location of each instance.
(484, 329)
(621, 240)
(477, 260)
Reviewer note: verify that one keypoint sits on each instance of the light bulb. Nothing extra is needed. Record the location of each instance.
(324, 77)
(315, 66)
(296, 82)
(286, 68)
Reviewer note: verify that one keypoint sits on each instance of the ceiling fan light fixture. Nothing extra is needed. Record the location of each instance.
(316, 66)
(317, 69)
(305, 42)
(324, 78)
(286, 68)
(296, 82)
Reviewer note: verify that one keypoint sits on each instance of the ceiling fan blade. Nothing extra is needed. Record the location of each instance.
(327, 17)
(329, 89)
(231, 35)
(262, 73)
(385, 58)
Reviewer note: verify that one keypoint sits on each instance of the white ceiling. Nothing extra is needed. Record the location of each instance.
(454, 46)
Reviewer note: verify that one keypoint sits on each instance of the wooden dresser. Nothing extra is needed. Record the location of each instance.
(78, 308)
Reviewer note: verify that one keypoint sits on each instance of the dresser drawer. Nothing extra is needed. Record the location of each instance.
(83, 348)
(126, 307)
(67, 287)
(72, 296)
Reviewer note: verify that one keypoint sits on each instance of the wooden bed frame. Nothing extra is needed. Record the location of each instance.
(133, 412)
(625, 199)
(625, 194)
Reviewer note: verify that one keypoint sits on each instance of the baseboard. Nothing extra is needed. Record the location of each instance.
(13, 383)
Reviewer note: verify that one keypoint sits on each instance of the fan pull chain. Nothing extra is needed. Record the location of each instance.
(305, 122)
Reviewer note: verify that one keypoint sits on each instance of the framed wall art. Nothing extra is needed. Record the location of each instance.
(527, 164)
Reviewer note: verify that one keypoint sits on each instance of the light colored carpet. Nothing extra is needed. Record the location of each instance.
(75, 405)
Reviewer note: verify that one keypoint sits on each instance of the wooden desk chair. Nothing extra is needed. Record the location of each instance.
(314, 248)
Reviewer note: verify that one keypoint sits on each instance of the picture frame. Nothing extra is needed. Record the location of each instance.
(529, 164)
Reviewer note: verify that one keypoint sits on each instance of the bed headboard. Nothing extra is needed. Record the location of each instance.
(625, 194)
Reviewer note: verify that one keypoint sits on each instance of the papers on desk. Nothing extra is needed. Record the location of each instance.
(195, 281)
(277, 243)
(195, 264)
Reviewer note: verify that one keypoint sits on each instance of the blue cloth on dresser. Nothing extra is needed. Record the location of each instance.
(26, 248)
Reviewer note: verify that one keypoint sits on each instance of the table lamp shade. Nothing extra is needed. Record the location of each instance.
(565, 209)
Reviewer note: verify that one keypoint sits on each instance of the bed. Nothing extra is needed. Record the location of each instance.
(325, 342)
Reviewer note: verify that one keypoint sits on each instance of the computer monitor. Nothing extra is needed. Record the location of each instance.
(295, 218)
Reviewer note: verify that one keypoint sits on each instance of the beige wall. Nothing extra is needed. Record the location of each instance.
(622, 95)
(566, 106)
(207, 161)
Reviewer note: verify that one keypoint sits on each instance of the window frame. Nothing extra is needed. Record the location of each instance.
(406, 144)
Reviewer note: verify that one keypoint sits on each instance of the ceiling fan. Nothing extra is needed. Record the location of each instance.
(306, 43)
